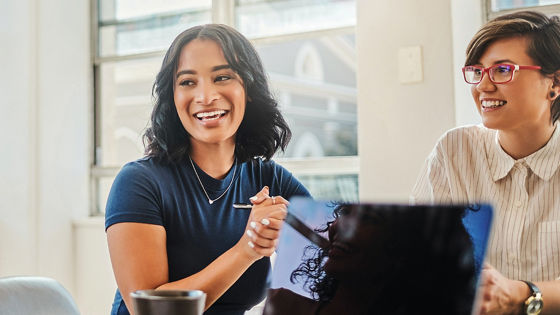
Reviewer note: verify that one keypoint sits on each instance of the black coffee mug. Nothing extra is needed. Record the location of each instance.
(168, 302)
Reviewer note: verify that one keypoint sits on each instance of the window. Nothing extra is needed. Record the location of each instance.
(307, 48)
(498, 7)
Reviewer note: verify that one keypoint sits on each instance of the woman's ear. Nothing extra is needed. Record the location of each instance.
(555, 88)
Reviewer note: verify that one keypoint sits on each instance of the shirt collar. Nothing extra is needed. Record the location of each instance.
(543, 163)
(500, 162)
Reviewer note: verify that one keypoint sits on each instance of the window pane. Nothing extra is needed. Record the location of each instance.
(314, 80)
(498, 5)
(260, 18)
(330, 187)
(131, 27)
(103, 188)
(126, 104)
(128, 9)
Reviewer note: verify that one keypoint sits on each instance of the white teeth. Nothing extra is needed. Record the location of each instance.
(214, 114)
(492, 104)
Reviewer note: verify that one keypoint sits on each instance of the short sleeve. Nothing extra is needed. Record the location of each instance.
(288, 184)
(134, 197)
(432, 185)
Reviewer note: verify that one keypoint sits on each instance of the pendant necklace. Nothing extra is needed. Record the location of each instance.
(210, 201)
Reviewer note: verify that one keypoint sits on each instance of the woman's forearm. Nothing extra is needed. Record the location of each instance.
(217, 277)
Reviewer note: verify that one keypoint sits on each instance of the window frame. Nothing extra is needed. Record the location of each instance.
(222, 11)
(488, 14)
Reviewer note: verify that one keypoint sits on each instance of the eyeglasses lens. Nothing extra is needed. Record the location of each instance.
(473, 74)
(501, 73)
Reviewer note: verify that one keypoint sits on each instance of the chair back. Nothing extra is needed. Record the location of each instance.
(35, 295)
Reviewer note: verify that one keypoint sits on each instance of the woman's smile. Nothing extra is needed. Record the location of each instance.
(211, 118)
(489, 105)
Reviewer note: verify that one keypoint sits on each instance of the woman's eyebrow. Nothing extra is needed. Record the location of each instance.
(503, 61)
(221, 67)
(185, 72)
(214, 69)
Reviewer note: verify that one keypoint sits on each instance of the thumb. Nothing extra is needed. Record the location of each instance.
(487, 266)
(260, 196)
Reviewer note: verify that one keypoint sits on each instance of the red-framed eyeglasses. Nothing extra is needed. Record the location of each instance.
(499, 74)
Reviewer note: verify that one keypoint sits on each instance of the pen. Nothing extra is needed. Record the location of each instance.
(242, 206)
(298, 225)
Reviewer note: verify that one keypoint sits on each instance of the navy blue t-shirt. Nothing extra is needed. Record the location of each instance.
(170, 195)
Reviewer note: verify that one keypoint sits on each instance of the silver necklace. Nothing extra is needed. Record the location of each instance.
(210, 201)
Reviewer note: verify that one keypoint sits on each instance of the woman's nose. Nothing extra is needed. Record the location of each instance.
(485, 84)
(206, 94)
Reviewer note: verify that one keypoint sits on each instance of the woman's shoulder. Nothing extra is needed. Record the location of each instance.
(468, 131)
(262, 166)
(284, 301)
(465, 136)
(147, 166)
(280, 180)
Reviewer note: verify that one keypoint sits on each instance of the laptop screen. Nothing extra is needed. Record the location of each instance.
(379, 258)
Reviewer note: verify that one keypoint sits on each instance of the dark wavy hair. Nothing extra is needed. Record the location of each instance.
(263, 130)
(429, 251)
(542, 32)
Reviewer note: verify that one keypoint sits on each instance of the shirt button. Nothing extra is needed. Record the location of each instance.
(518, 203)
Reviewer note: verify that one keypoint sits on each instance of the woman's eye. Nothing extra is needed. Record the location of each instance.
(475, 71)
(504, 69)
(222, 78)
(186, 83)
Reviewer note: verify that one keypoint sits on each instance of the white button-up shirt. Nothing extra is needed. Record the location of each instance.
(468, 165)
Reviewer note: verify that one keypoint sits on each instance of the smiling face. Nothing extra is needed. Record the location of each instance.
(522, 104)
(209, 96)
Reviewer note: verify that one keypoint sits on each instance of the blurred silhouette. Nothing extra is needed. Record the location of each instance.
(385, 259)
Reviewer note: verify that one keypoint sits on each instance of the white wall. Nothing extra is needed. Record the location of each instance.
(398, 124)
(46, 129)
(466, 20)
(18, 229)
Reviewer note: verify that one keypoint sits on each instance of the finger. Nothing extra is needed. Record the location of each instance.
(279, 200)
(268, 224)
(261, 251)
(265, 243)
(261, 212)
(260, 196)
(278, 212)
(272, 219)
(487, 266)
(261, 238)
(265, 232)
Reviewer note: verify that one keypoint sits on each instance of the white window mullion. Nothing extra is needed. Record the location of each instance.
(223, 12)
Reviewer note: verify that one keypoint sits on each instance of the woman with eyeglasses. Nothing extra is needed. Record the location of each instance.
(512, 161)
(204, 208)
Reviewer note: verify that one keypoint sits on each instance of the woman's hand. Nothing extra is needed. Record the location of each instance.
(500, 295)
(264, 224)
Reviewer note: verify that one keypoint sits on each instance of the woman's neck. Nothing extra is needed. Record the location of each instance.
(214, 159)
(522, 143)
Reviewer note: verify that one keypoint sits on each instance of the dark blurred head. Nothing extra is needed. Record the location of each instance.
(406, 253)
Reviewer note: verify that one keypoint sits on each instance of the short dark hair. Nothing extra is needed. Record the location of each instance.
(542, 32)
(263, 130)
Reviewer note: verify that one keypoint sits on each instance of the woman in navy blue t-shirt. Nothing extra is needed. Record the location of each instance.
(170, 219)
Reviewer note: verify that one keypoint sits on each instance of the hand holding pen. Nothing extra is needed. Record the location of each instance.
(297, 224)
(264, 224)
